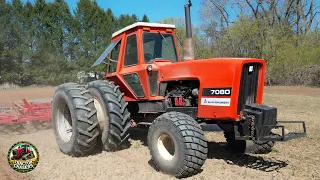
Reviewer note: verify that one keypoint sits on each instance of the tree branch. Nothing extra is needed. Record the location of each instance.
(288, 11)
(222, 11)
(255, 12)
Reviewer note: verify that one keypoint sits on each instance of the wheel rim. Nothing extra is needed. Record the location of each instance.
(100, 114)
(166, 147)
(64, 121)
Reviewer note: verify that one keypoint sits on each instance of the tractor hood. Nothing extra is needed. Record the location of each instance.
(214, 74)
(219, 70)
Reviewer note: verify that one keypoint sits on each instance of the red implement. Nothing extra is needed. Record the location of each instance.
(28, 111)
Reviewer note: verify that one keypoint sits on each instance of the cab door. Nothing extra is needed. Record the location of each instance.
(133, 72)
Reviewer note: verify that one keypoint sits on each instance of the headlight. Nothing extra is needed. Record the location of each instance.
(250, 68)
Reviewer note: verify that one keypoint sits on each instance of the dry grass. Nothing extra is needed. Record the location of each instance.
(296, 159)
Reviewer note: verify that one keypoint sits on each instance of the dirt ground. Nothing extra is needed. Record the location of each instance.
(296, 159)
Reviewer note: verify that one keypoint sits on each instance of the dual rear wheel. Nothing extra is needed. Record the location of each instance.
(83, 117)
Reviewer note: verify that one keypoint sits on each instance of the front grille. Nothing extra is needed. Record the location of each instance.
(248, 85)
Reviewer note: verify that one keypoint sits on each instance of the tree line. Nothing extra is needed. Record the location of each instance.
(46, 43)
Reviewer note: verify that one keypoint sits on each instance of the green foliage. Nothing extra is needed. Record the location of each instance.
(145, 18)
(126, 20)
(43, 43)
(294, 64)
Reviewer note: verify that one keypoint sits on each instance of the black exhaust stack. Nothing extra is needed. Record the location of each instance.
(188, 19)
(188, 47)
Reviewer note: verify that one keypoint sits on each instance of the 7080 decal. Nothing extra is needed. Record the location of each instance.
(221, 92)
(216, 91)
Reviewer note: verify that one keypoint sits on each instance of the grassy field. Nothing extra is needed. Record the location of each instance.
(296, 159)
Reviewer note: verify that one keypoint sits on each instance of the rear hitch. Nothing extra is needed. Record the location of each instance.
(258, 121)
(283, 136)
(274, 137)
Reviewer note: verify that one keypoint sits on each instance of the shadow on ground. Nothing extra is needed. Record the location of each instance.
(220, 150)
(140, 134)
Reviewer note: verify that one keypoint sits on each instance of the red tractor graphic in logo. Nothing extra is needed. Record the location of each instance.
(22, 152)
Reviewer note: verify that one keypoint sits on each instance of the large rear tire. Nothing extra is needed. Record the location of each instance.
(253, 147)
(113, 115)
(177, 144)
(74, 120)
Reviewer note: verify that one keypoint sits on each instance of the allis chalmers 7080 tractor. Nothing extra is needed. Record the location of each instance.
(146, 83)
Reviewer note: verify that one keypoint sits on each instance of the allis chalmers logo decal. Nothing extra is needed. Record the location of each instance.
(215, 101)
(23, 157)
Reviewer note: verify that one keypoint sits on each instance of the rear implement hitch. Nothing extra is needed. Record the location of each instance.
(258, 121)
(274, 137)
(283, 136)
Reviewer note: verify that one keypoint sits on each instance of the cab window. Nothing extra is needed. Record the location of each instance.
(131, 53)
(159, 46)
(113, 61)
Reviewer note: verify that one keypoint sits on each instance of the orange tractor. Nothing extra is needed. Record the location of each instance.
(146, 83)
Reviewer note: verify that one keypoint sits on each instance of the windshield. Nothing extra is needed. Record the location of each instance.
(159, 46)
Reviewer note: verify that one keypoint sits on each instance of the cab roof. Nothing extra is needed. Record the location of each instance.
(144, 24)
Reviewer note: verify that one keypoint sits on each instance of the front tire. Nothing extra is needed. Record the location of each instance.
(74, 120)
(177, 144)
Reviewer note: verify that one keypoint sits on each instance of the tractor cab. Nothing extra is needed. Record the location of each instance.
(137, 48)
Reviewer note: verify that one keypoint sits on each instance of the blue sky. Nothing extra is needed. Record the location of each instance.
(154, 9)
